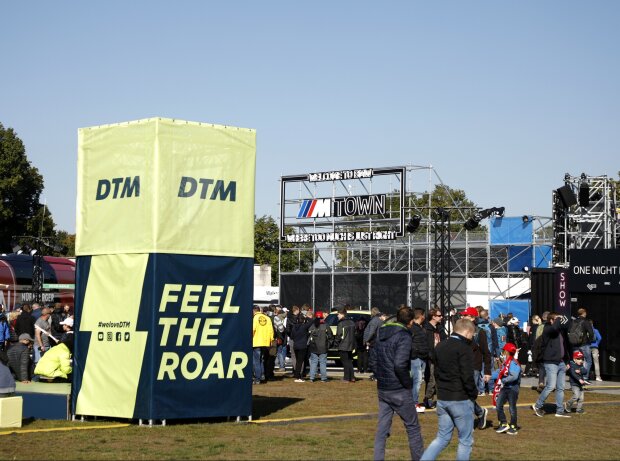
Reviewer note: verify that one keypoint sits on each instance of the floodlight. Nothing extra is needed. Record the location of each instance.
(442, 213)
(414, 223)
(472, 222)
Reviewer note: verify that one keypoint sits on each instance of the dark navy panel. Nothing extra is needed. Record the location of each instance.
(82, 339)
(184, 392)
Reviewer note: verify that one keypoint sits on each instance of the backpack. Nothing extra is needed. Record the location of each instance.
(487, 329)
(577, 335)
(318, 335)
(501, 338)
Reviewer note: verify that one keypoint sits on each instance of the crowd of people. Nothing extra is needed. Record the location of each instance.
(36, 343)
(459, 358)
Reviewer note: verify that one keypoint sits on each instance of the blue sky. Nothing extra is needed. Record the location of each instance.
(502, 98)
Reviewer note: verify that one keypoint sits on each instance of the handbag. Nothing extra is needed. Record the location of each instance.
(273, 349)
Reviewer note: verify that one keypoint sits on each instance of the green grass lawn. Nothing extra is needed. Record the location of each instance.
(589, 436)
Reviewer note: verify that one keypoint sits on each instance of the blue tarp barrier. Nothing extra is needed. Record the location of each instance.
(520, 308)
(542, 253)
(510, 231)
(519, 257)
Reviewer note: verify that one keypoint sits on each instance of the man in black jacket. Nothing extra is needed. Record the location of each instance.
(345, 338)
(482, 362)
(434, 333)
(419, 354)
(555, 356)
(588, 337)
(456, 391)
(390, 360)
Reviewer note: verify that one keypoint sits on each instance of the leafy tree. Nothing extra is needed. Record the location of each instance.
(66, 240)
(266, 249)
(20, 188)
(41, 223)
(454, 201)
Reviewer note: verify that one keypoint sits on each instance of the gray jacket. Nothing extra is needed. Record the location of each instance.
(19, 361)
(370, 333)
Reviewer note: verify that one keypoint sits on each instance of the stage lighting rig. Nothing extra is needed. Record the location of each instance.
(473, 221)
(414, 223)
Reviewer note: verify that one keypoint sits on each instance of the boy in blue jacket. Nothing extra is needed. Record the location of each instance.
(577, 379)
(507, 388)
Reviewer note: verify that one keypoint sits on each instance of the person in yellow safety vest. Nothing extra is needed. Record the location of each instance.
(57, 363)
(262, 336)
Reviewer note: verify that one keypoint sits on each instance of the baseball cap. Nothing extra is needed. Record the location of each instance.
(25, 336)
(318, 314)
(577, 355)
(471, 311)
(68, 321)
(510, 348)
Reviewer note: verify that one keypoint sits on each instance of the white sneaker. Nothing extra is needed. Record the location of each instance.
(420, 408)
(598, 379)
(300, 381)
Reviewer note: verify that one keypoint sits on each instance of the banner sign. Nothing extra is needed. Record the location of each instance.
(165, 271)
(342, 206)
(340, 175)
(339, 217)
(562, 292)
(594, 271)
(165, 186)
(167, 341)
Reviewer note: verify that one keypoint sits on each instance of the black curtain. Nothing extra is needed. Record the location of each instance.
(351, 289)
(388, 291)
(295, 289)
(542, 291)
(604, 311)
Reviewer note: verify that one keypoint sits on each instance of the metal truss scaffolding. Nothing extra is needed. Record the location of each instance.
(584, 215)
(425, 268)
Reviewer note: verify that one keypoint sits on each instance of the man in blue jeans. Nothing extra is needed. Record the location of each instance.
(555, 356)
(419, 355)
(390, 363)
(456, 391)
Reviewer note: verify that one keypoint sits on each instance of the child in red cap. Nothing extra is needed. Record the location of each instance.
(507, 389)
(577, 379)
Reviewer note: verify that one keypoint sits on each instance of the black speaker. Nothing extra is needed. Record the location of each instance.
(567, 195)
(584, 195)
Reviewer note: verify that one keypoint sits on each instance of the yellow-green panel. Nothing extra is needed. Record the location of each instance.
(110, 308)
(196, 189)
(213, 158)
(118, 223)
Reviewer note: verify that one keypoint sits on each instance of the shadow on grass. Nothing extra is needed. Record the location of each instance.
(264, 406)
(28, 421)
